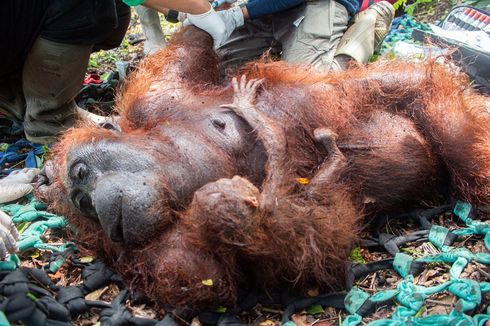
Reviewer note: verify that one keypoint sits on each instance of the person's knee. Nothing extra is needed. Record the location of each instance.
(118, 33)
(314, 39)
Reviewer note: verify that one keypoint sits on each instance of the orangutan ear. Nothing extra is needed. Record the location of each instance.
(111, 125)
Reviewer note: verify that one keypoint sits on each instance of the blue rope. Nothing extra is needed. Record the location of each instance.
(12, 155)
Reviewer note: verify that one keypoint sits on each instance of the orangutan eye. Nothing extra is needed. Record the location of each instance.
(219, 124)
(79, 172)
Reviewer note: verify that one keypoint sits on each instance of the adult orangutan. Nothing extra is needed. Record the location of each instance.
(191, 197)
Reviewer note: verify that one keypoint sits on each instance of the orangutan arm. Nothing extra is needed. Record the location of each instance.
(171, 78)
(269, 132)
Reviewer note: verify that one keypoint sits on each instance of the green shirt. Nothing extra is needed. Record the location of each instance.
(133, 3)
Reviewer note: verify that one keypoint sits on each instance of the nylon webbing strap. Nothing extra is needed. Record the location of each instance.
(411, 297)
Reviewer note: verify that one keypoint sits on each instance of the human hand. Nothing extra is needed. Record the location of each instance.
(209, 22)
(17, 184)
(233, 18)
(8, 235)
(219, 24)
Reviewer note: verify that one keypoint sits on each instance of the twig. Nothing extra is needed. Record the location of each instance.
(441, 303)
(371, 287)
(482, 272)
(271, 310)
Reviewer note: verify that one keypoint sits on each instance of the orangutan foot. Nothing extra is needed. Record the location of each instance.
(326, 138)
(334, 163)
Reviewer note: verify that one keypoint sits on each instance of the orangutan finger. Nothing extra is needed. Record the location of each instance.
(243, 82)
(7, 240)
(236, 88)
(229, 106)
(257, 83)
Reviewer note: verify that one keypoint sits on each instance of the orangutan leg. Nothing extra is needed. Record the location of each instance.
(332, 166)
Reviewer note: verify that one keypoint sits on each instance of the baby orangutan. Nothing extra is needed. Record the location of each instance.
(234, 220)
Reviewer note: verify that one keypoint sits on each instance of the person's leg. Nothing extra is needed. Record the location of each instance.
(116, 34)
(52, 75)
(314, 37)
(150, 22)
(11, 98)
(366, 33)
(247, 43)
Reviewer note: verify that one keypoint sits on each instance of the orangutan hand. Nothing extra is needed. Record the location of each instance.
(245, 93)
(44, 182)
(8, 235)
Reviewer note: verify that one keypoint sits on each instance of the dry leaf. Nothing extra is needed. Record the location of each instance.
(300, 320)
(303, 181)
(208, 282)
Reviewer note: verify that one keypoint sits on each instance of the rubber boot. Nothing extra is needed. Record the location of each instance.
(367, 32)
(12, 107)
(52, 76)
(11, 97)
(155, 40)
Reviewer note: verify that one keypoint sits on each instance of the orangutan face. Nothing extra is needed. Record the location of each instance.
(132, 183)
(116, 185)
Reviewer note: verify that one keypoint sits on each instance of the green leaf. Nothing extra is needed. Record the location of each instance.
(221, 310)
(21, 227)
(399, 3)
(410, 9)
(31, 296)
(105, 76)
(356, 256)
(86, 259)
(315, 310)
(92, 63)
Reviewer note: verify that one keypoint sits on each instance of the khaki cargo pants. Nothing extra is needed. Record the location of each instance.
(307, 35)
(314, 36)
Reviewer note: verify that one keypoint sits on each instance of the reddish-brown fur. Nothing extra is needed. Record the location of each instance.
(404, 128)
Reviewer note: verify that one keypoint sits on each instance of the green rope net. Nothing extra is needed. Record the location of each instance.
(410, 297)
(33, 221)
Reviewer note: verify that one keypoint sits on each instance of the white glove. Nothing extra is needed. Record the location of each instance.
(233, 18)
(211, 23)
(182, 16)
(8, 236)
(217, 3)
(17, 184)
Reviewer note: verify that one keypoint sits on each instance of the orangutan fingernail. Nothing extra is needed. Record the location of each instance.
(252, 202)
